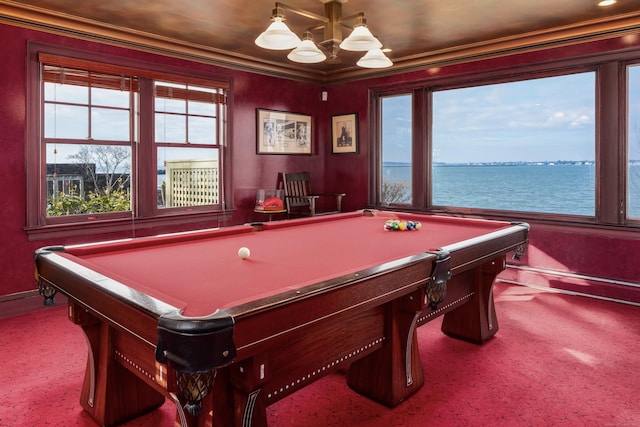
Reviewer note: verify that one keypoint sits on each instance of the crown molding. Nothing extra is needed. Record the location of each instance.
(16, 14)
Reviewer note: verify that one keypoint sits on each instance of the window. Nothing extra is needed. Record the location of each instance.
(633, 142)
(187, 149)
(87, 140)
(525, 145)
(121, 141)
(396, 113)
(522, 146)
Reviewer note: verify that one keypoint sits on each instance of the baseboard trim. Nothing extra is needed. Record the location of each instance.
(19, 295)
(573, 284)
(26, 302)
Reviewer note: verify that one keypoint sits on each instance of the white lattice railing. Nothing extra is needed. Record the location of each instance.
(191, 183)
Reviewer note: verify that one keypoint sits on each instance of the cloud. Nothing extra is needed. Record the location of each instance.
(582, 120)
(538, 119)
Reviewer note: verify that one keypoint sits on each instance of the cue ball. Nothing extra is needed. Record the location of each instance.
(244, 252)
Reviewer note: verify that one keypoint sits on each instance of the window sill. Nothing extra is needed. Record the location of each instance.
(130, 227)
(585, 224)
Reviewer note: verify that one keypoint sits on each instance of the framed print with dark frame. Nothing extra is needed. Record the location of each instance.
(344, 132)
(280, 132)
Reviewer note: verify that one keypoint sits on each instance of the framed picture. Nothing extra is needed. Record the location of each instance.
(279, 132)
(344, 132)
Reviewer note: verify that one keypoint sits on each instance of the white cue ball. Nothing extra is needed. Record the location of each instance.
(244, 252)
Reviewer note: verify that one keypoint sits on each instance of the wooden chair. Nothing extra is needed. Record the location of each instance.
(299, 199)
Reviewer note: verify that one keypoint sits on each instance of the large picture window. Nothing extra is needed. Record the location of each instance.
(118, 141)
(528, 144)
(521, 146)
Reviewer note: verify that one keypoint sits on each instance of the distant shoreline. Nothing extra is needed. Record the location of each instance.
(543, 163)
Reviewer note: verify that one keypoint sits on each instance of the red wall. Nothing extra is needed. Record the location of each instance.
(250, 171)
(569, 250)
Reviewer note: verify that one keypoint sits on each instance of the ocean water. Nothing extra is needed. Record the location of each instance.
(563, 189)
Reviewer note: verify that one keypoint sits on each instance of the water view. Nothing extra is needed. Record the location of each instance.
(565, 188)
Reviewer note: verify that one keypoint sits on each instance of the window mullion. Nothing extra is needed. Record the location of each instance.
(146, 166)
(610, 195)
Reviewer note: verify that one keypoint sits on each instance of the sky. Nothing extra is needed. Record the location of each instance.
(544, 119)
(110, 118)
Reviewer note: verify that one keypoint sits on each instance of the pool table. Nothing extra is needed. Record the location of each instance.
(183, 316)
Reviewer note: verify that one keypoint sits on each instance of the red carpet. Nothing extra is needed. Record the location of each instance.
(557, 360)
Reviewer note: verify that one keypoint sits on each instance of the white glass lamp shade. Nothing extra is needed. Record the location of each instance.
(278, 37)
(360, 39)
(307, 53)
(375, 58)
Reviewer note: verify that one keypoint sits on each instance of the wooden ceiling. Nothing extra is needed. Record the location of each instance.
(421, 33)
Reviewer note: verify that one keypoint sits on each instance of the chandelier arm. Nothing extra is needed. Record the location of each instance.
(348, 27)
(316, 27)
(302, 12)
(351, 17)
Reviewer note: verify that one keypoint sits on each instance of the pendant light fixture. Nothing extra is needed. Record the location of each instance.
(360, 38)
(278, 36)
(307, 52)
(374, 58)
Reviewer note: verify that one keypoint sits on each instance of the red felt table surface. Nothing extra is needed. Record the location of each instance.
(200, 272)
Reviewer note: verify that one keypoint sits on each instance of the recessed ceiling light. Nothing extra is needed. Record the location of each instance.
(604, 3)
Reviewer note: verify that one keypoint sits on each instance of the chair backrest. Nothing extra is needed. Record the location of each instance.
(296, 184)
